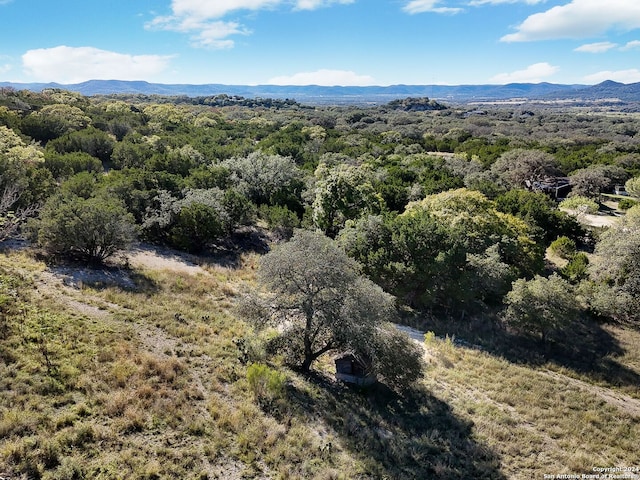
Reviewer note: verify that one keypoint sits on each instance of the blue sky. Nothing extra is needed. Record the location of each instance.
(325, 42)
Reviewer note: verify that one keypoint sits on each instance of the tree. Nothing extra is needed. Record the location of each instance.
(592, 181)
(540, 306)
(447, 251)
(63, 165)
(195, 225)
(421, 257)
(199, 218)
(133, 151)
(267, 179)
(12, 217)
(630, 162)
(616, 269)
(588, 182)
(564, 247)
(487, 275)
(53, 121)
(165, 116)
(342, 193)
(474, 223)
(90, 140)
(541, 213)
(15, 158)
(633, 187)
(517, 166)
(576, 269)
(21, 171)
(321, 303)
(92, 228)
(280, 220)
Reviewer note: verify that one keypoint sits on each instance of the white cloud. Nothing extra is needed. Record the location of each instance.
(5, 68)
(578, 19)
(324, 77)
(476, 3)
(206, 10)
(599, 47)
(77, 64)
(422, 6)
(202, 19)
(214, 35)
(207, 34)
(632, 45)
(532, 74)
(623, 76)
(315, 4)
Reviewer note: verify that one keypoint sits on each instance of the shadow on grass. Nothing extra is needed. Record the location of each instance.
(584, 347)
(225, 252)
(99, 277)
(229, 250)
(414, 435)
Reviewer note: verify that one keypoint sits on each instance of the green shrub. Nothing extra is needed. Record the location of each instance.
(541, 306)
(564, 247)
(633, 186)
(63, 165)
(581, 204)
(280, 219)
(626, 203)
(195, 226)
(92, 229)
(266, 384)
(576, 269)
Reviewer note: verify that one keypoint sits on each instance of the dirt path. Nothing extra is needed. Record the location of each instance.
(624, 402)
(157, 258)
(619, 400)
(592, 220)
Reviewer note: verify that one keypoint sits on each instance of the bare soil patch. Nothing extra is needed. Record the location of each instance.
(160, 258)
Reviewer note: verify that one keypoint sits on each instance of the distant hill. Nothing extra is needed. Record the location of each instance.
(361, 95)
(604, 91)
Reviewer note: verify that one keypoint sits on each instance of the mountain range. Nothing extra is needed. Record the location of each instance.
(315, 94)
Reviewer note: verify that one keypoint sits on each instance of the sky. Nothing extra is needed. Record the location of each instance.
(321, 42)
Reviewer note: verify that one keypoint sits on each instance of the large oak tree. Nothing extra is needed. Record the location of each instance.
(320, 303)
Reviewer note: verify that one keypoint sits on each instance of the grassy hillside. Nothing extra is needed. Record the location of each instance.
(135, 372)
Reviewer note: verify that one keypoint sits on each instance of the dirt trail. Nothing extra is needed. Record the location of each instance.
(619, 400)
(156, 258)
(590, 219)
(624, 402)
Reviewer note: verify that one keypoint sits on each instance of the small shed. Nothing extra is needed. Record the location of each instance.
(354, 369)
(620, 190)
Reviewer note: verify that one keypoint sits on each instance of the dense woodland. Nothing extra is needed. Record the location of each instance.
(415, 212)
(430, 200)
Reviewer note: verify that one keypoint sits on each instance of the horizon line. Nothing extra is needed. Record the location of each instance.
(310, 84)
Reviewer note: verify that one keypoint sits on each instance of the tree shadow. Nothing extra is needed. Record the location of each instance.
(228, 251)
(413, 435)
(584, 346)
(99, 277)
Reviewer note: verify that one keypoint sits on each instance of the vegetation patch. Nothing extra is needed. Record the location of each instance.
(181, 278)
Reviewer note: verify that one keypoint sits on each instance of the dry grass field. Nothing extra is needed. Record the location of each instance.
(134, 372)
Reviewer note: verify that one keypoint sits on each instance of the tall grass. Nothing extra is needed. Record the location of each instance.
(149, 382)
